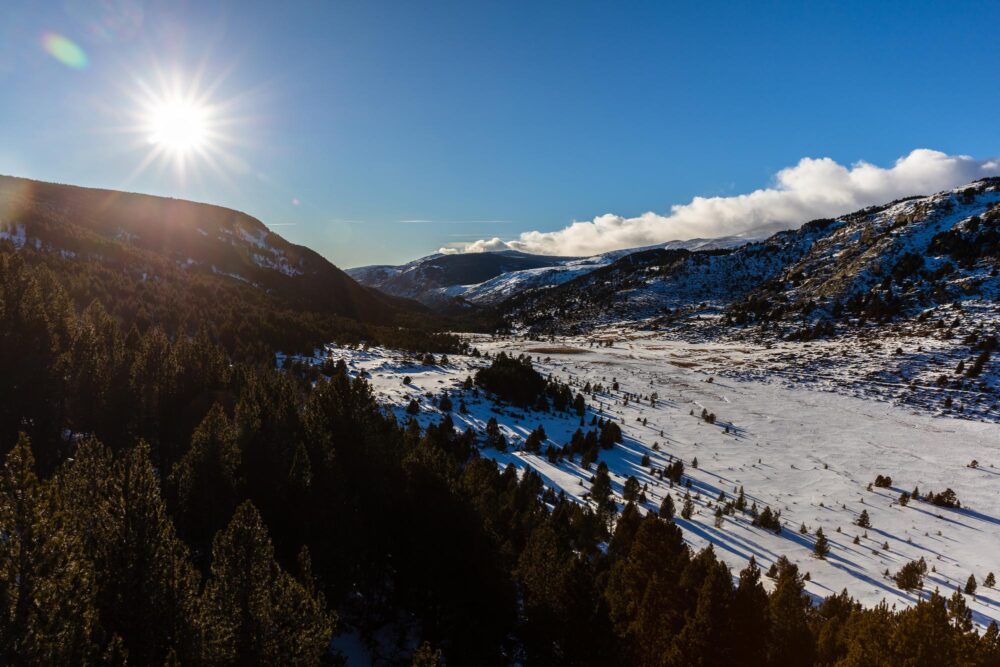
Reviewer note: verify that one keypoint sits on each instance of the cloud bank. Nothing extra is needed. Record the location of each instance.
(813, 188)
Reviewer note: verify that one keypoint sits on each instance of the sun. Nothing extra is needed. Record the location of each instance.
(179, 126)
(187, 126)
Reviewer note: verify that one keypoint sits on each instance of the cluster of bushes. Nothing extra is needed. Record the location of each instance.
(514, 379)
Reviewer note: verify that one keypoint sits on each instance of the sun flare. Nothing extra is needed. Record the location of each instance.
(182, 125)
(178, 126)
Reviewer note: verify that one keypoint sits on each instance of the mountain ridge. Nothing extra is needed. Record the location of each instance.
(142, 256)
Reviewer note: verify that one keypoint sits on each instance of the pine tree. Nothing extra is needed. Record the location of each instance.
(863, 520)
(687, 510)
(822, 546)
(790, 642)
(667, 507)
(923, 634)
(970, 585)
(990, 581)
(206, 478)
(47, 589)
(255, 612)
(750, 618)
(148, 587)
(911, 576)
(706, 638)
(600, 491)
(631, 489)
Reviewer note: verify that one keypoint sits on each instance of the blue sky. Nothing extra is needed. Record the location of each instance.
(338, 121)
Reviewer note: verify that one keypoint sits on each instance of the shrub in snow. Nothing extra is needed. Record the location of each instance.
(946, 498)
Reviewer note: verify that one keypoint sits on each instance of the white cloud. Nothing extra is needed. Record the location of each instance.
(813, 188)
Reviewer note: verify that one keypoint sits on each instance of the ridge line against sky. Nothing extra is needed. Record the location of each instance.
(813, 188)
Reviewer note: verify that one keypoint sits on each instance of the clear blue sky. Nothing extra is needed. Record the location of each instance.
(491, 118)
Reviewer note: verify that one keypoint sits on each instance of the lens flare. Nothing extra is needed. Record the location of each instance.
(64, 50)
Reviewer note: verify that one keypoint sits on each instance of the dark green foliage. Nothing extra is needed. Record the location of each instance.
(255, 612)
(512, 379)
(769, 520)
(822, 545)
(911, 576)
(667, 507)
(687, 509)
(47, 589)
(791, 640)
(631, 490)
(207, 479)
(946, 498)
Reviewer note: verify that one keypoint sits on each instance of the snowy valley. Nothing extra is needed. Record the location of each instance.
(808, 450)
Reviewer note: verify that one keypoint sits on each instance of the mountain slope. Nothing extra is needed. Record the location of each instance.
(877, 262)
(425, 278)
(174, 263)
(899, 302)
(489, 278)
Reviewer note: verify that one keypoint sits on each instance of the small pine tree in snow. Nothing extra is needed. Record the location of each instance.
(688, 508)
(630, 492)
(741, 501)
(667, 508)
(863, 520)
(990, 581)
(911, 576)
(970, 585)
(822, 546)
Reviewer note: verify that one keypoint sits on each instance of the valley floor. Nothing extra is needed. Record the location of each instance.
(791, 442)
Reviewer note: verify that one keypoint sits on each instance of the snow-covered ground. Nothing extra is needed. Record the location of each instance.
(796, 447)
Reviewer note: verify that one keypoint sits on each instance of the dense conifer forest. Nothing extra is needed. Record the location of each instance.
(168, 497)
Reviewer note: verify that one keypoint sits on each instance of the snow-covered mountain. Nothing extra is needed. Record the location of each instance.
(899, 301)
(488, 278)
(871, 265)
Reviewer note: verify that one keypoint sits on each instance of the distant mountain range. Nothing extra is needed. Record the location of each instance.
(488, 278)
